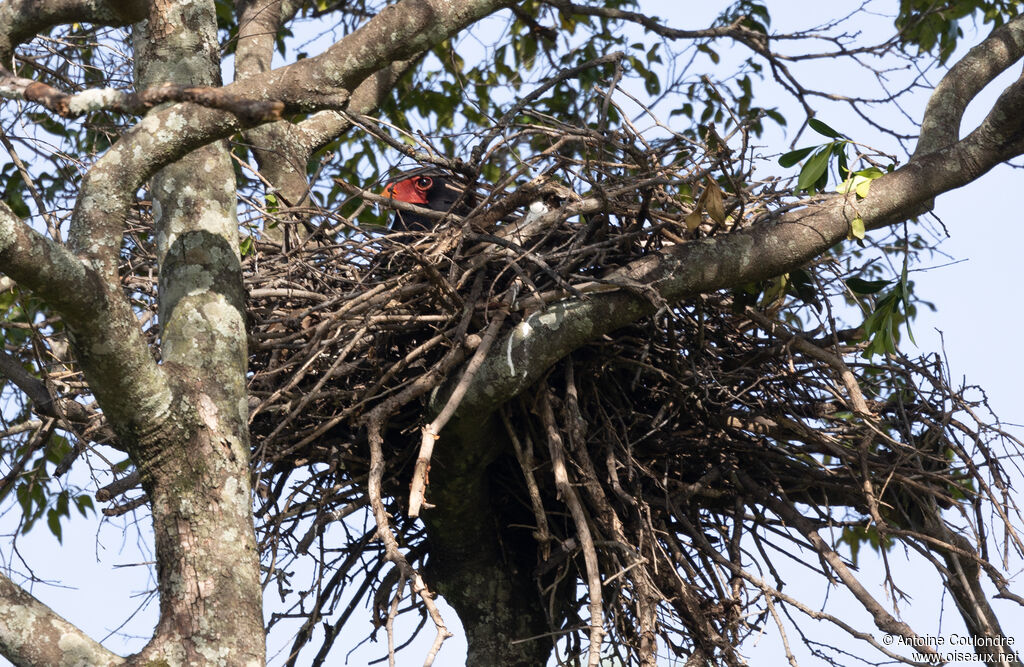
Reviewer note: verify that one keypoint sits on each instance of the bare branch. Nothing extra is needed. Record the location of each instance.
(20, 20)
(940, 126)
(252, 112)
(32, 634)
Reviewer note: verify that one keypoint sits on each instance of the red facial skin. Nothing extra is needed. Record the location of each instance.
(411, 190)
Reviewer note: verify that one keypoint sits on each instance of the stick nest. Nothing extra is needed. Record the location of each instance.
(664, 466)
(695, 441)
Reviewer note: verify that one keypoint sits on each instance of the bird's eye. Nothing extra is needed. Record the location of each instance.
(424, 183)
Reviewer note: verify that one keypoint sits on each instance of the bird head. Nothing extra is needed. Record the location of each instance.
(429, 188)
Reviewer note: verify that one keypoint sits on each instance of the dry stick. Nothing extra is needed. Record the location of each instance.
(430, 432)
(21, 427)
(810, 349)
(883, 619)
(384, 533)
(298, 375)
(398, 367)
(521, 104)
(969, 597)
(318, 526)
(863, 449)
(521, 252)
(782, 629)
(62, 408)
(568, 495)
(124, 508)
(52, 226)
(389, 625)
(374, 422)
(310, 395)
(642, 592)
(36, 442)
(390, 202)
(976, 474)
(72, 106)
(525, 457)
(119, 486)
(772, 592)
(430, 155)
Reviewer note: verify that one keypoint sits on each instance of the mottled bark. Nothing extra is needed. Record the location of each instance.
(34, 635)
(23, 19)
(198, 478)
(965, 79)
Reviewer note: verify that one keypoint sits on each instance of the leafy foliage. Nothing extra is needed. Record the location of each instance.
(932, 25)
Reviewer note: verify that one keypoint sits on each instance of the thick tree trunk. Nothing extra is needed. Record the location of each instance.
(482, 567)
(207, 565)
(195, 467)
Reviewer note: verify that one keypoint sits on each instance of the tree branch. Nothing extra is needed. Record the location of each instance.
(940, 126)
(66, 105)
(45, 267)
(20, 20)
(765, 250)
(48, 405)
(883, 619)
(101, 323)
(322, 127)
(32, 634)
(99, 316)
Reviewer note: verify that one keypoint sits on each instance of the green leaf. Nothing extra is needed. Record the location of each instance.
(84, 504)
(860, 181)
(776, 116)
(857, 228)
(711, 53)
(892, 311)
(38, 494)
(802, 285)
(57, 449)
(861, 187)
(854, 184)
(62, 503)
(814, 169)
(24, 498)
(791, 158)
(861, 286)
(823, 129)
(871, 173)
(775, 290)
(53, 521)
(839, 150)
(13, 197)
(905, 289)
